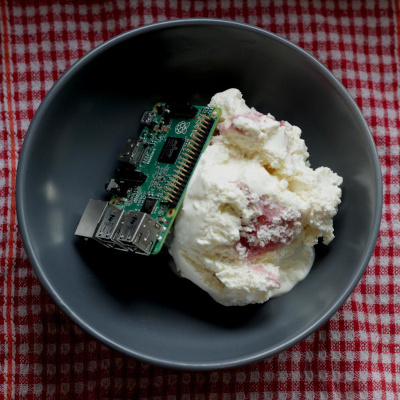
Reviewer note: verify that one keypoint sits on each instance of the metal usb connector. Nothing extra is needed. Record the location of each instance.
(110, 227)
(101, 221)
(139, 231)
(115, 228)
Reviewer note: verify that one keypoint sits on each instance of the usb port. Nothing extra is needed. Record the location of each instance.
(139, 232)
(128, 233)
(117, 229)
(110, 227)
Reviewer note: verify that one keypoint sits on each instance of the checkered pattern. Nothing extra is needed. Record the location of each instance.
(356, 355)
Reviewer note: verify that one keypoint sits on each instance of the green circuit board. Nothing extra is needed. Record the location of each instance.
(153, 174)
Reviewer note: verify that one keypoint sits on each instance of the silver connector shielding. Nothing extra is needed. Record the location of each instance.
(91, 218)
(110, 227)
(101, 221)
(115, 228)
(139, 232)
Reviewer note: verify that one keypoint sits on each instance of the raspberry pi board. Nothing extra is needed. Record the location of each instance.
(150, 183)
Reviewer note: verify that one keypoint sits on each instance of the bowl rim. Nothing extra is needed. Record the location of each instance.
(227, 363)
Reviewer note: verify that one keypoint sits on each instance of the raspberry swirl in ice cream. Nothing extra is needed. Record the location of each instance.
(274, 226)
(254, 208)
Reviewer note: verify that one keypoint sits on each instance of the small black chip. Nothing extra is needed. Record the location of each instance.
(182, 110)
(127, 150)
(148, 205)
(147, 118)
(170, 150)
(160, 109)
(167, 118)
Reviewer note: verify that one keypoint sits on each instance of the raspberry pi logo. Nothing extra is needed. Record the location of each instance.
(182, 127)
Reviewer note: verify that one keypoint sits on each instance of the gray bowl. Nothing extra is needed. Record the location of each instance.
(136, 304)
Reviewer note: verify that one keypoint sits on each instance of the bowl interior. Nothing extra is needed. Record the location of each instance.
(135, 303)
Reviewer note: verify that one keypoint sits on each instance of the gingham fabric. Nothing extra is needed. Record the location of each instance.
(356, 355)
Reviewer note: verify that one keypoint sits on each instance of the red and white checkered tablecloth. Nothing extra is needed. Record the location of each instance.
(356, 355)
